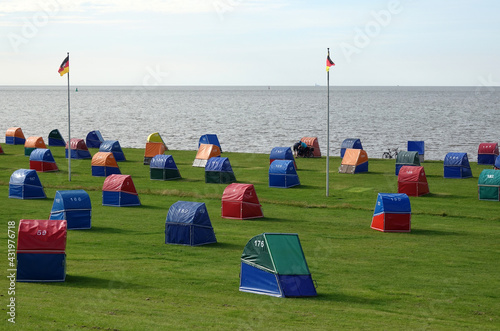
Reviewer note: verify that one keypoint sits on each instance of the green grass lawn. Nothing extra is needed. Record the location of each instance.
(444, 275)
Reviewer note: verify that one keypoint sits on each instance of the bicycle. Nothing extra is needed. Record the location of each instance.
(391, 153)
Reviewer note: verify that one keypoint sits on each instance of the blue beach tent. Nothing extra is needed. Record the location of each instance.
(456, 165)
(188, 223)
(94, 139)
(119, 191)
(41, 159)
(497, 163)
(282, 174)
(209, 139)
(56, 139)
(417, 146)
(163, 167)
(114, 147)
(73, 206)
(218, 170)
(353, 143)
(282, 153)
(25, 184)
(274, 264)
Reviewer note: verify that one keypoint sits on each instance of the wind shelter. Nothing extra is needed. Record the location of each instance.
(41, 251)
(153, 149)
(240, 201)
(163, 167)
(156, 138)
(94, 139)
(312, 142)
(282, 153)
(119, 191)
(209, 139)
(406, 158)
(14, 136)
(32, 143)
(282, 174)
(456, 165)
(488, 185)
(74, 206)
(417, 146)
(188, 223)
(218, 170)
(114, 147)
(104, 164)
(353, 143)
(25, 184)
(354, 161)
(42, 160)
(497, 163)
(487, 153)
(79, 149)
(392, 213)
(56, 139)
(412, 181)
(274, 264)
(205, 152)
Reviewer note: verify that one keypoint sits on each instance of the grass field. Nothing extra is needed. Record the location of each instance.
(444, 275)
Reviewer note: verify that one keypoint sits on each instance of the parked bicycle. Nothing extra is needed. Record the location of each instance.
(391, 153)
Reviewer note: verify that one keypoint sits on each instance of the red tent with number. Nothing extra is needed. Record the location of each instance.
(239, 201)
(412, 181)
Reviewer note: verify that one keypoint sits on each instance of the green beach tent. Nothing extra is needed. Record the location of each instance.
(489, 185)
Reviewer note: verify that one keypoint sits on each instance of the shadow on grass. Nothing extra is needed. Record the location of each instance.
(229, 246)
(432, 232)
(105, 229)
(340, 297)
(95, 282)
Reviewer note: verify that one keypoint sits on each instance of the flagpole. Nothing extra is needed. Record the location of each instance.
(69, 133)
(328, 131)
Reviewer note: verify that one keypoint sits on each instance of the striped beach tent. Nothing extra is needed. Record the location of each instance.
(42, 160)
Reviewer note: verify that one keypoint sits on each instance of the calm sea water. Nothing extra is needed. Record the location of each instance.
(256, 119)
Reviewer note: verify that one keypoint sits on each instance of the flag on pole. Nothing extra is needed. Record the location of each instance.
(329, 62)
(64, 68)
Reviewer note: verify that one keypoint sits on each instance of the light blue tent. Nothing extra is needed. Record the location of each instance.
(282, 174)
(25, 184)
(73, 206)
(188, 223)
(114, 147)
(94, 139)
(209, 139)
(456, 165)
(353, 143)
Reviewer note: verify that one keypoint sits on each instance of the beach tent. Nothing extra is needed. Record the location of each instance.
(163, 167)
(353, 143)
(456, 165)
(240, 201)
(32, 143)
(41, 251)
(406, 158)
(156, 138)
(14, 136)
(104, 164)
(487, 153)
(282, 174)
(25, 184)
(94, 139)
(114, 147)
(56, 139)
(354, 161)
(1, 150)
(205, 152)
(312, 142)
(153, 149)
(282, 153)
(497, 163)
(489, 185)
(188, 223)
(392, 213)
(73, 206)
(417, 146)
(119, 191)
(274, 264)
(42, 160)
(412, 181)
(79, 149)
(218, 170)
(209, 139)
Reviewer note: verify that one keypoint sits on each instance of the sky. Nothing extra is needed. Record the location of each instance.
(251, 42)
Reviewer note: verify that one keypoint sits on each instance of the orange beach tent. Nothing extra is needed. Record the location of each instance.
(354, 161)
(32, 143)
(312, 142)
(14, 136)
(205, 152)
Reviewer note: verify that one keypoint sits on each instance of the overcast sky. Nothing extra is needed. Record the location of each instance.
(250, 42)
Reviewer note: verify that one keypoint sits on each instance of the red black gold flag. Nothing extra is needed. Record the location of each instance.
(329, 62)
(64, 68)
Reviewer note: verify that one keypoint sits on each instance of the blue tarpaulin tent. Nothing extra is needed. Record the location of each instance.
(282, 173)
(282, 153)
(73, 206)
(119, 191)
(188, 223)
(218, 170)
(41, 159)
(417, 146)
(114, 147)
(456, 165)
(25, 184)
(209, 139)
(497, 163)
(392, 213)
(353, 143)
(56, 139)
(163, 167)
(94, 139)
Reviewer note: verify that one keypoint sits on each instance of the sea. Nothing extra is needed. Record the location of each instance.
(254, 119)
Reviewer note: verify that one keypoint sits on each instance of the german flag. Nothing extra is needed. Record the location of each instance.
(64, 68)
(329, 62)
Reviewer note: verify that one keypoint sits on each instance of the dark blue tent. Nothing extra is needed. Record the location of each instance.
(114, 147)
(25, 184)
(188, 223)
(218, 170)
(282, 153)
(282, 173)
(73, 206)
(392, 213)
(56, 139)
(94, 139)
(497, 163)
(163, 167)
(456, 165)
(209, 139)
(353, 143)
(417, 146)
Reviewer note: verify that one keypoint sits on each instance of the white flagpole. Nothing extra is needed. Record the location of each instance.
(69, 133)
(328, 131)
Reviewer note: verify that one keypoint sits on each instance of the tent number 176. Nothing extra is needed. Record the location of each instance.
(259, 243)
